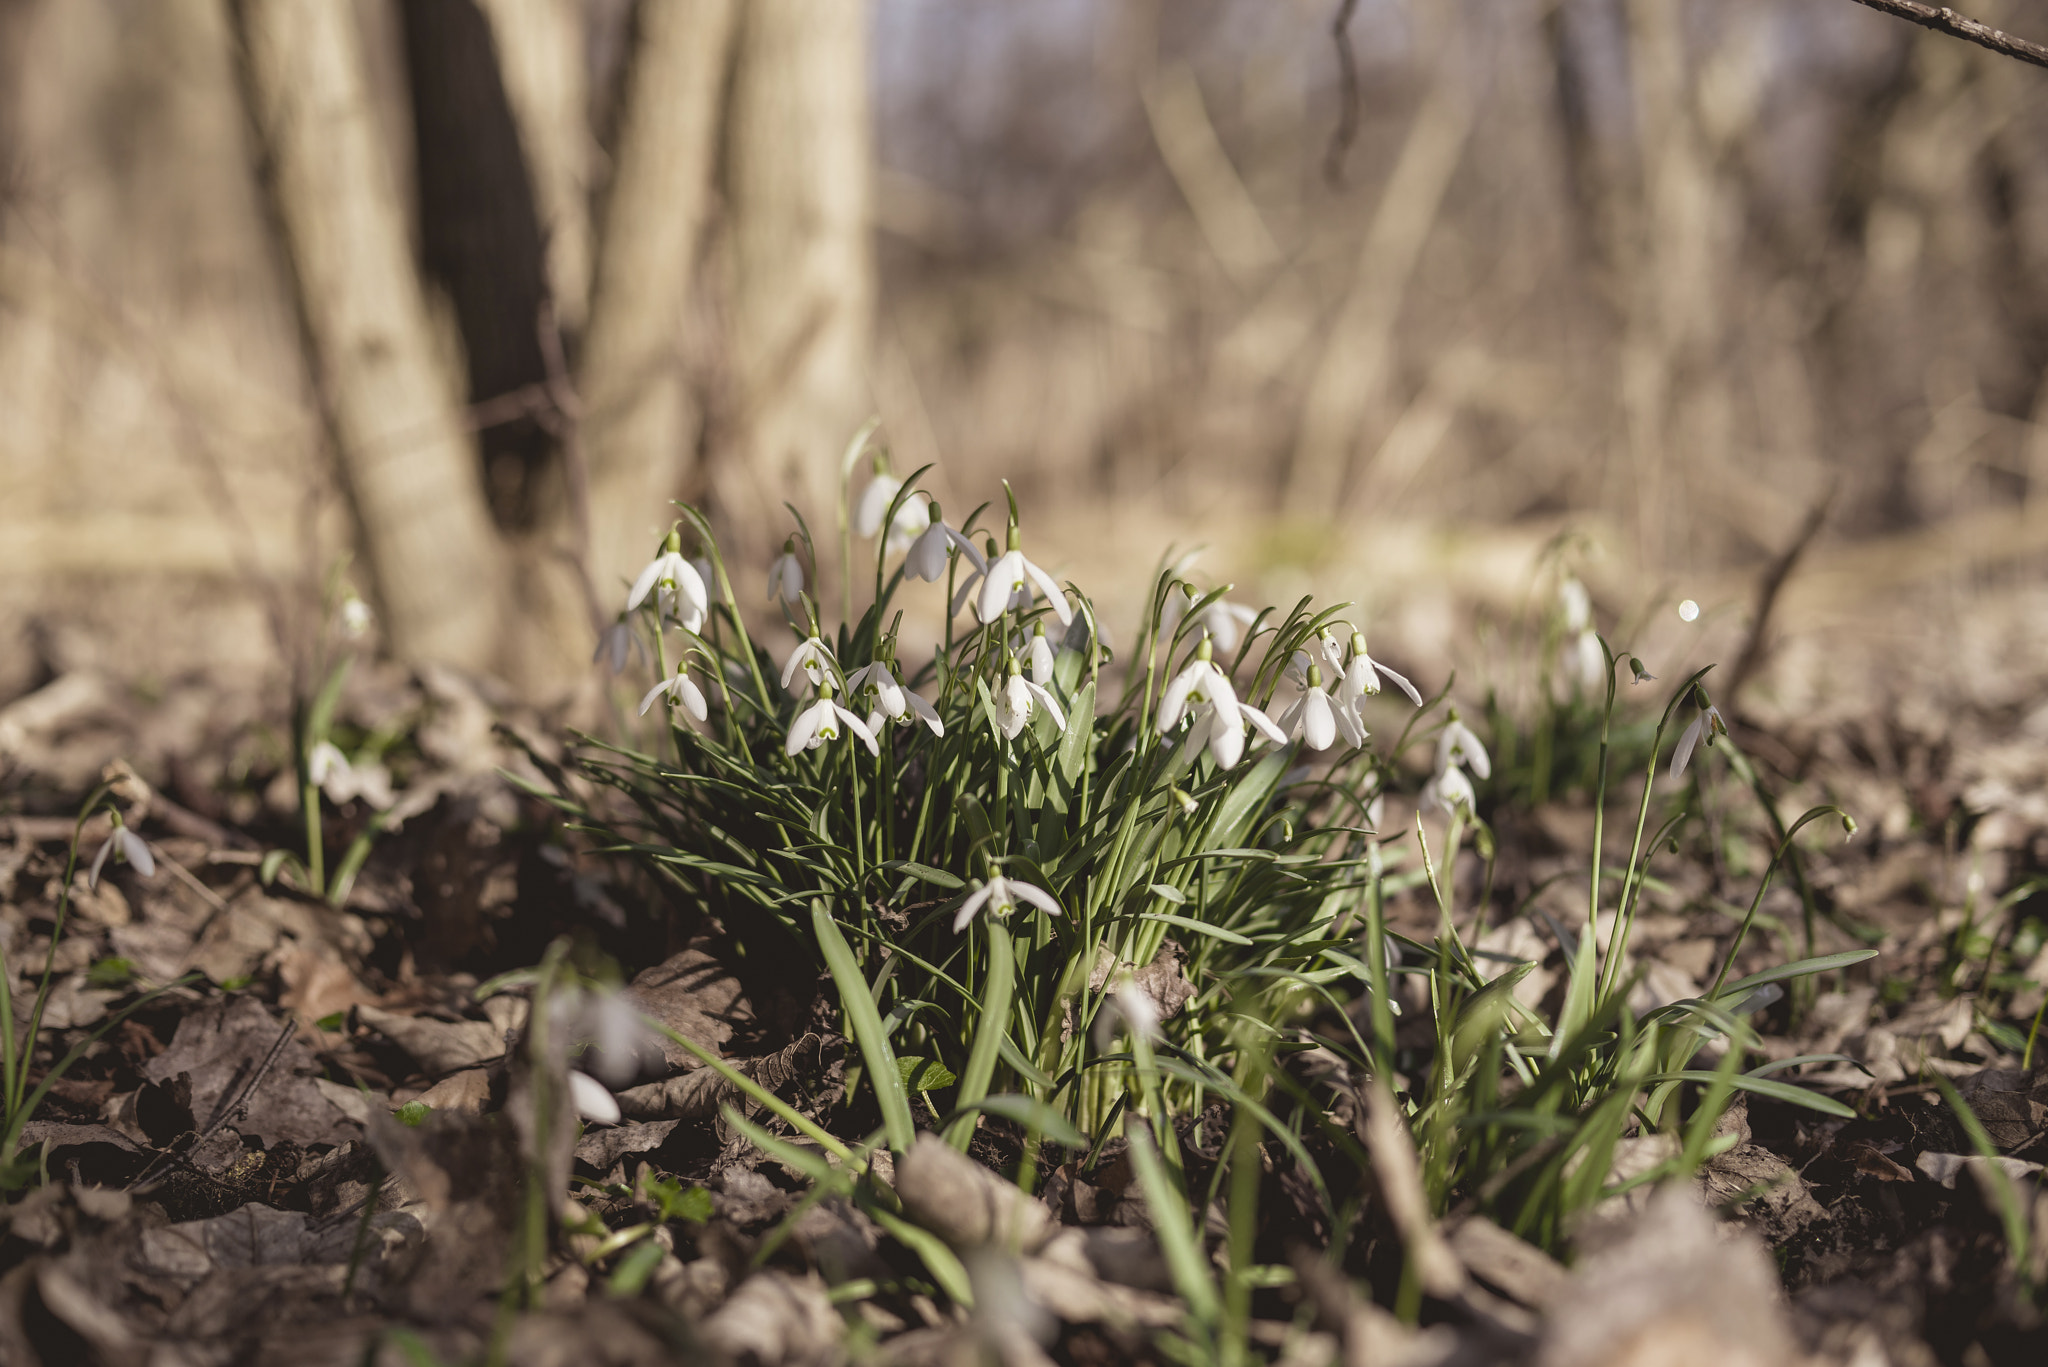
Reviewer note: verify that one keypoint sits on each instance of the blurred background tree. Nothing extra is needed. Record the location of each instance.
(469, 287)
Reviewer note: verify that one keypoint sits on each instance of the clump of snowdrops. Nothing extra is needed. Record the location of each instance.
(1081, 889)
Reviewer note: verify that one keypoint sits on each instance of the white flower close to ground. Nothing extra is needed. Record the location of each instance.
(1000, 896)
(911, 519)
(1362, 674)
(821, 721)
(1448, 790)
(929, 553)
(1010, 575)
(343, 782)
(130, 846)
(682, 690)
(1018, 698)
(592, 1099)
(682, 597)
(1225, 741)
(1316, 721)
(786, 575)
(1457, 745)
(893, 702)
(1707, 724)
(814, 658)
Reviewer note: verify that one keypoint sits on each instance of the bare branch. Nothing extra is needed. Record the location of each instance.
(1944, 20)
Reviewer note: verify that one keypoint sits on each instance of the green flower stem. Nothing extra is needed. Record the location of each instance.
(997, 988)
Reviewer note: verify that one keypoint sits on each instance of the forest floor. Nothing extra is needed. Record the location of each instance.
(220, 1176)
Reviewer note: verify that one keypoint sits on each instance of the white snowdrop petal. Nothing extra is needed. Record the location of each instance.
(1262, 723)
(1319, 725)
(1682, 755)
(1037, 896)
(652, 693)
(974, 903)
(925, 713)
(593, 1101)
(1401, 682)
(692, 698)
(1051, 589)
(644, 584)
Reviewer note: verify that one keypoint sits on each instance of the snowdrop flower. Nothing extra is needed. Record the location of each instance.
(1010, 574)
(1643, 675)
(680, 689)
(1316, 721)
(1449, 790)
(1456, 745)
(621, 1044)
(786, 575)
(330, 771)
(682, 596)
(1587, 661)
(892, 700)
(356, 617)
(910, 519)
(1041, 657)
(1226, 741)
(814, 657)
(592, 1099)
(1016, 700)
(1130, 1006)
(1001, 896)
(1202, 684)
(1222, 620)
(617, 645)
(1708, 724)
(1362, 675)
(1575, 604)
(821, 721)
(927, 558)
(130, 847)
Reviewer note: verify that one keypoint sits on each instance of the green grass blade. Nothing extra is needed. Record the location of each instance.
(1180, 1244)
(864, 1023)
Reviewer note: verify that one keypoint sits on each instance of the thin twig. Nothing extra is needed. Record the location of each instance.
(1346, 131)
(1767, 594)
(1944, 20)
(225, 1113)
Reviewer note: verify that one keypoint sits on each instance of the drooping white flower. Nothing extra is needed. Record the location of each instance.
(621, 1044)
(330, 771)
(1203, 684)
(1042, 664)
(1018, 698)
(814, 657)
(1362, 674)
(356, 617)
(1708, 724)
(1586, 661)
(1316, 720)
(617, 646)
(821, 721)
(1222, 620)
(1131, 1007)
(592, 1099)
(786, 575)
(893, 702)
(682, 597)
(1001, 896)
(1447, 790)
(681, 689)
(129, 846)
(1457, 745)
(1225, 740)
(927, 557)
(1575, 604)
(910, 519)
(1009, 574)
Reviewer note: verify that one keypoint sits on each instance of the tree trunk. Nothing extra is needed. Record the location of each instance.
(405, 452)
(636, 412)
(799, 173)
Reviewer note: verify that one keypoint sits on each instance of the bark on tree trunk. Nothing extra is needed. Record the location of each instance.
(636, 412)
(408, 460)
(799, 173)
